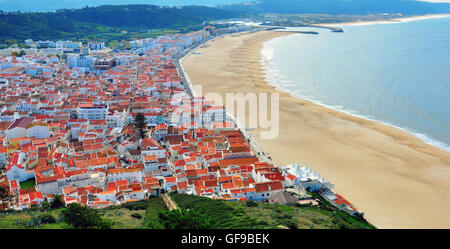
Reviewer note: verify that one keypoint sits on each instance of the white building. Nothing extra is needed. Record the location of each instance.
(149, 146)
(96, 45)
(132, 175)
(37, 130)
(18, 128)
(16, 170)
(84, 61)
(48, 185)
(308, 178)
(92, 111)
(4, 82)
(117, 119)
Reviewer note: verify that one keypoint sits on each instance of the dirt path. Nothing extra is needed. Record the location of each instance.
(169, 202)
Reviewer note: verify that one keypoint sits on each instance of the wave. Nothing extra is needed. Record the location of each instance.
(272, 76)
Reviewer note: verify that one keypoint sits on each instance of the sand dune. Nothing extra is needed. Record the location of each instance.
(392, 176)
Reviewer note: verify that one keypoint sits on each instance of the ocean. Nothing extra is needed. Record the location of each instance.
(396, 74)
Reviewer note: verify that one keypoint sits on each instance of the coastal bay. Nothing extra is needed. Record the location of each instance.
(395, 178)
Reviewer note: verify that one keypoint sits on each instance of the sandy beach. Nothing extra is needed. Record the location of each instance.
(397, 180)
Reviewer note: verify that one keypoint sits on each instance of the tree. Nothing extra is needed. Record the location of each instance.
(45, 205)
(4, 196)
(184, 219)
(10, 42)
(79, 216)
(57, 202)
(140, 123)
(18, 54)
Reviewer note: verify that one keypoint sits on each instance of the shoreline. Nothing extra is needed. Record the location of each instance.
(423, 137)
(388, 21)
(330, 139)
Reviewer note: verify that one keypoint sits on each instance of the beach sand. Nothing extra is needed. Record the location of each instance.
(393, 177)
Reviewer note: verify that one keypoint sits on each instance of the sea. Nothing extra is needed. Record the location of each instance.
(396, 73)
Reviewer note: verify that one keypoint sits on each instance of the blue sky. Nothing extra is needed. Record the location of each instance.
(50, 5)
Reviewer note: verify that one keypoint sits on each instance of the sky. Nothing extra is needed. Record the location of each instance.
(438, 1)
(51, 5)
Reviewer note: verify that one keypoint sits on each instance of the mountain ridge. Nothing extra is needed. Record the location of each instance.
(91, 20)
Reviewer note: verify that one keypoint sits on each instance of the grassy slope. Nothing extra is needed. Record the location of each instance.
(121, 216)
(226, 214)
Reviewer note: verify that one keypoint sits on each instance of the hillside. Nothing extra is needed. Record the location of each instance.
(222, 215)
(251, 215)
(129, 216)
(52, 5)
(341, 7)
(76, 23)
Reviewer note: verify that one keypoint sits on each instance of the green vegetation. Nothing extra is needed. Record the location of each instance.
(247, 215)
(155, 206)
(78, 216)
(57, 202)
(46, 219)
(18, 54)
(184, 219)
(140, 123)
(136, 215)
(126, 216)
(105, 21)
(32, 219)
(196, 212)
(115, 217)
(27, 184)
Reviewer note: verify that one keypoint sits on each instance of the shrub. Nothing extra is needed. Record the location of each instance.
(251, 203)
(184, 219)
(46, 219)
(290, 224)
(78, 216)
(136, 215)
(136, 206)
(34, 208)
(45, 205)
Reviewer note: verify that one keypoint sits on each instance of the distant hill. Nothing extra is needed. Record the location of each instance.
(91, 20)
(338, 7)
(52, 5)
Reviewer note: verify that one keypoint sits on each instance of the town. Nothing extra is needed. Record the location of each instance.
(101, 127)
